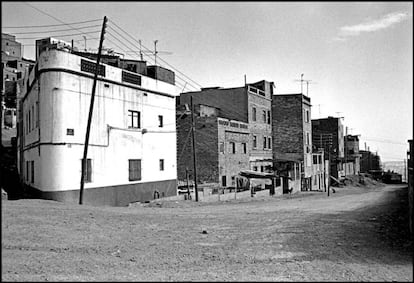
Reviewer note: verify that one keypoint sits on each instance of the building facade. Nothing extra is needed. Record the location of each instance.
(250, 104)
(328, 133)
(292, 135)
(131, 137)
(221, 147)
(352, 155)
(320, 171)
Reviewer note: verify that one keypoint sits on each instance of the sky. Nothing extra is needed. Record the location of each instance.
(356, 56)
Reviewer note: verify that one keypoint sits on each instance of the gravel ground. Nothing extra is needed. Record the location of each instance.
(356, 234)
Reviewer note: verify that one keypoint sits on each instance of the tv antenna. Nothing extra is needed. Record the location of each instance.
(308, 82)
(146, 52)
(301, 83)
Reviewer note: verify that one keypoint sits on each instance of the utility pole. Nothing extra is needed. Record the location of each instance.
(405, 170)
(155, 52)
(140, 50)
(88, 127)
(84, 37)
(194, 152)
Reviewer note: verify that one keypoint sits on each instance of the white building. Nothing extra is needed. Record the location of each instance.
(132, 143)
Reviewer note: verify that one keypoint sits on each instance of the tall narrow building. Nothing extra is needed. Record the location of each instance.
(292, 139)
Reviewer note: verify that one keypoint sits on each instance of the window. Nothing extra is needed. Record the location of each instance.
(30, 123)
(32, 171)
(87, 177)
(33, 116)
(269, 142)
(221, 147)
(307, 116)
(264, 142)
(134, 169)
(268, 117)
(254, 114)
(254, 168)
(161, 164)
(134, 119)
(262, 168)
(307, 138)
(264, 116)
(315, 159)
(223, 181)
(160, 121)
(37, 114)
(233, 180)
(254, 141)
(27, 170)
(232, 147)
(244, 145)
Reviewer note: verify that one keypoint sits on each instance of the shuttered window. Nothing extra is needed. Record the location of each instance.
(134, 169)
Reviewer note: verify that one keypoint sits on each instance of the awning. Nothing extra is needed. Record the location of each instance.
(257, 175)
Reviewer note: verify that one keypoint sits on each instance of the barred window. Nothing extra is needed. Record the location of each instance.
(88, 66)
(131, 78)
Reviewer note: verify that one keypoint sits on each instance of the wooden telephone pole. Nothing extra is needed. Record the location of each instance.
(88, 127)
(194, 152)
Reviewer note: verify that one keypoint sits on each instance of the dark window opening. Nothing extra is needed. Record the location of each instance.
(160, 120)
(134, 169)
(161, 164)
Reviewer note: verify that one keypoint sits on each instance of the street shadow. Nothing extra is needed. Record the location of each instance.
(377, 233)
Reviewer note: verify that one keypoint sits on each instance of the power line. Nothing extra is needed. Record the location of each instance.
(55, 25)
(116, 38)
(60, 35)
(158, 57)
(47, 31)
(51, 16)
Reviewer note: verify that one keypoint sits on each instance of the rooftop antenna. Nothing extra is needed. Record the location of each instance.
(307, 86)
(301, 83)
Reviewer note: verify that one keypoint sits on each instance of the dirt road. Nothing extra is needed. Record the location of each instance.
(356, 234)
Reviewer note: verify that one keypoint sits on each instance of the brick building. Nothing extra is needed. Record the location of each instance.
(292, 142)
(221, 146)
(249, 104)
(328, 133)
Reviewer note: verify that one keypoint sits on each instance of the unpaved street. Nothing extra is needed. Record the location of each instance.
(356, 234)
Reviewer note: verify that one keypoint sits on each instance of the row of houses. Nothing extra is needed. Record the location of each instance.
(140, 144)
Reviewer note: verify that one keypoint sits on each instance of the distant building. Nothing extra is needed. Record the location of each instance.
(14, 69)
(320, 171)
(327, 133)
(130, 156)
(249, 104)
(352, 156)
(292, 139)
(370, 163)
